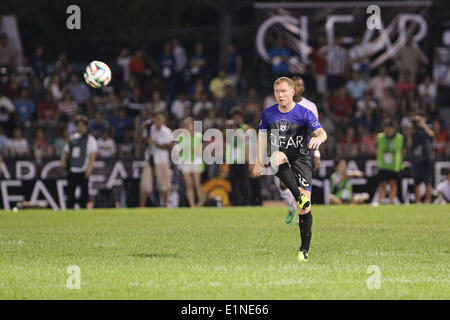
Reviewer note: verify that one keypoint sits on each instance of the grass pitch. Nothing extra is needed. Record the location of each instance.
(236, 253)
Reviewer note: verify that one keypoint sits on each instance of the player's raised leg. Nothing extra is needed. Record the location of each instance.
(279, 161)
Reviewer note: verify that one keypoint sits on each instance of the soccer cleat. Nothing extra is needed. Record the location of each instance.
(303, 256)
(290, 217)
(303, 202)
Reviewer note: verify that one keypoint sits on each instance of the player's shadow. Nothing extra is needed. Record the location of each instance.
(154, 255)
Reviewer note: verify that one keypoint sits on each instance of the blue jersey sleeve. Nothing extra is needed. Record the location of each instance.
(263, 122)
(311, 121)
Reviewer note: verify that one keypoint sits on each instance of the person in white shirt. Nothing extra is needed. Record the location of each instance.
(428, 91)
(18, 146)
(106, 146)
(123, 60)
(161, 144)
(379, 83)
(202, 104)
(179, 106)
(78, 158)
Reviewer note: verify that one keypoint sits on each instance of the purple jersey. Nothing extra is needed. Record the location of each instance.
(292, 126)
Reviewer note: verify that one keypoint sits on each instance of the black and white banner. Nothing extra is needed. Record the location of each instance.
(383, 26)
(26, 180)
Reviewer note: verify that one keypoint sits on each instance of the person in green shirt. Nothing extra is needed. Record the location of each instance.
(341, 188)
(389, 160)
(193, 165)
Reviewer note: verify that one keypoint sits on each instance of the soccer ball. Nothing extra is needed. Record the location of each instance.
(97, 74)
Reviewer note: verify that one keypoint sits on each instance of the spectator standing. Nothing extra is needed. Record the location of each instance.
(359, 57)
(161, 143)
(146, 182)
(409, 58)
(233, 64)
(319, 65)
(167, 65)
(337, 63)
(279, 57)
(198, 62)
(123, 60)
(37, 62)
(181, 60)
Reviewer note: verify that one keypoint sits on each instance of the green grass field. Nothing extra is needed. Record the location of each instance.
(236, 253)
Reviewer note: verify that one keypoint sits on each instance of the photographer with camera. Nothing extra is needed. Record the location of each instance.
(419, 142)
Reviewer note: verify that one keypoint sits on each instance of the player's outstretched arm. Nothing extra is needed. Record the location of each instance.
(320, 136)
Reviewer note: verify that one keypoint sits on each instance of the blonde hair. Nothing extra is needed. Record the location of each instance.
(289, 81)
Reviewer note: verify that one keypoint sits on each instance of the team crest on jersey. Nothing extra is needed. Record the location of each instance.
(283, 125)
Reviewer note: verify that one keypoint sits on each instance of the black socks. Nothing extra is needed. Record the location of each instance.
(305, 224)
(287, 176)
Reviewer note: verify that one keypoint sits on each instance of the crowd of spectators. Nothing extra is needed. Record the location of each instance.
(39, 99)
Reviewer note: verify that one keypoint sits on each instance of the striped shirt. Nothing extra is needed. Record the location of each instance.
(337, 59)
(68, 107)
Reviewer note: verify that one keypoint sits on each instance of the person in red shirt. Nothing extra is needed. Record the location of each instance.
(441, 139)
(47, 110)
(137, 63)
(340, 103)
(12, 88)
(348, 145)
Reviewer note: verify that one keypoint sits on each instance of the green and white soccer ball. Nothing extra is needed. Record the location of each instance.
(97, 74)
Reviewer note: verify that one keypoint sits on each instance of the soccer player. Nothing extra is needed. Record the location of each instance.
(286, 124)
(286, 195)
